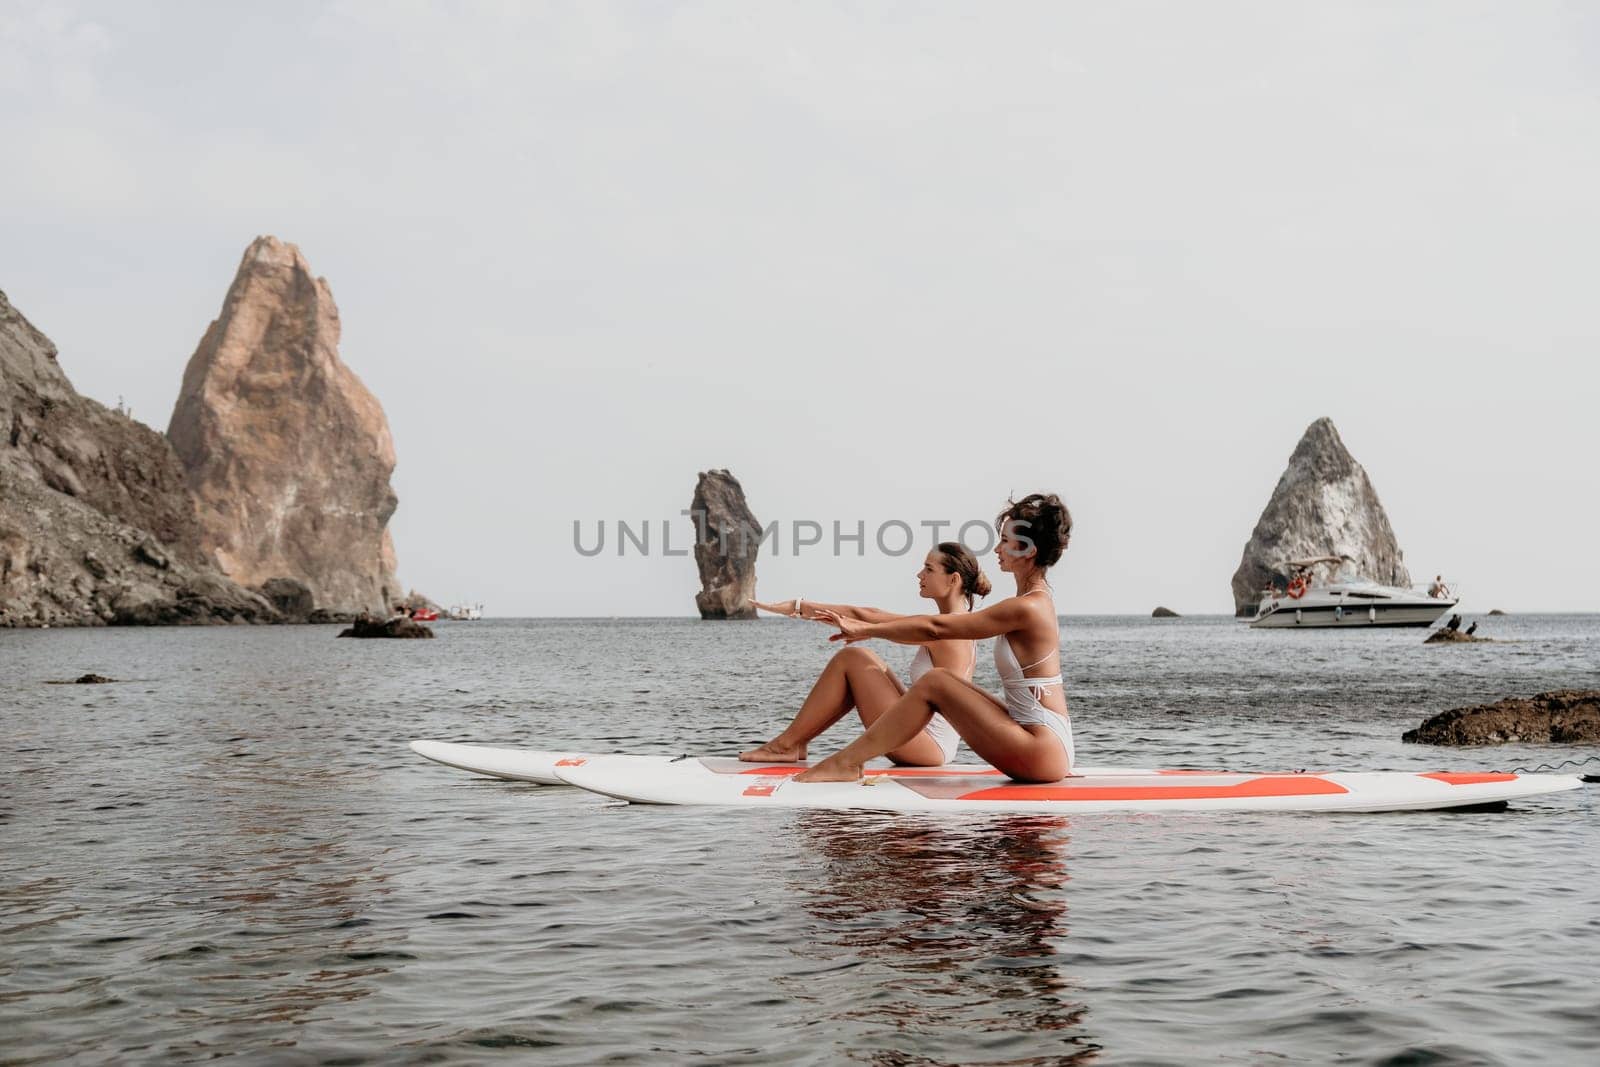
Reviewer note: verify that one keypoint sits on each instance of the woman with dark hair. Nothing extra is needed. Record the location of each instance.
(857, 678)
(1025, 731)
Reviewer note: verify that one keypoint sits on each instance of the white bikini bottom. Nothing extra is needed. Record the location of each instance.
(1057, 723)
(944, 735)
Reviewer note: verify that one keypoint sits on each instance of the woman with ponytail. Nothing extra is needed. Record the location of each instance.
(1024, 732)
(857, 678)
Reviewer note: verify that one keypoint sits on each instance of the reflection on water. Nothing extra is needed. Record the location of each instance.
(963, 926)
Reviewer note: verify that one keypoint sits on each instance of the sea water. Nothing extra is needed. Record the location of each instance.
(230, 852)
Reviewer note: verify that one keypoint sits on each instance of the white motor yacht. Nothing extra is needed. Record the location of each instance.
(1307, 601)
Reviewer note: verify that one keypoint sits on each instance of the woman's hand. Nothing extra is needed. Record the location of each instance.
(783, 607)
(850, 630)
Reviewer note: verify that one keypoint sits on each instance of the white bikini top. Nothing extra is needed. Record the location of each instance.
(1013, 675)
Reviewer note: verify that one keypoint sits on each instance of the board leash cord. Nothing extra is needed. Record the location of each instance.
(1590, 776)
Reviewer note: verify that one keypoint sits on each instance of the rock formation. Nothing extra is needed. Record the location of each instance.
(415, 601)
(1564, 716)
(400, 627)
(1454, 637)
(286, 452)
(292, 599)
(1164, 613)
(96, 524)
(727, 540)
(1324, 505)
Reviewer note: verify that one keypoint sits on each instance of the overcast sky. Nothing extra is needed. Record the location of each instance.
(882, 261)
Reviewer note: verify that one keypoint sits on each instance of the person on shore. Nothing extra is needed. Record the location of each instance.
(858, 678)
(1024, 732)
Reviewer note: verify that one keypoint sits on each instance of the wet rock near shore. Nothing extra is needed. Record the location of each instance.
(292, 598)
(727, 541)
(1560, 717)
(1496, 611)
(1165, 613)
(397, 627)
(1455, 637)
(325, 617)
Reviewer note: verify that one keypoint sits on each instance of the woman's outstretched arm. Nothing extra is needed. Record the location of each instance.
(810, 609)
(1003, 618)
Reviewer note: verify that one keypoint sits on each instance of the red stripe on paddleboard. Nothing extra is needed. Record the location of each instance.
(1286, 786)
(763, 790)
(1450, 778)
(892, 772)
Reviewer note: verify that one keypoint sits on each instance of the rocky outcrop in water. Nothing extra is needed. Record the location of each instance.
(727, 541)
(1324, 505)
(396, 627)
(1562, 717)
(1455, 637)
(96, 524)
(1164, 613)
(287, 453)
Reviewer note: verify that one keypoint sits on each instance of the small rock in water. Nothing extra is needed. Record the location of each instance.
(92, 679)
(397, 627)
(1562, 716)
(1165, 613)
(1496, 611)
(1454, 637)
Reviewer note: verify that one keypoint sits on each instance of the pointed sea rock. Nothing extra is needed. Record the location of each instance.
(1324, 505)
(287, 453)
(727, 541)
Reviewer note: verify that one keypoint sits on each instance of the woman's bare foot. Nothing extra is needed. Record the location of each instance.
(773, 752)
(832, 769)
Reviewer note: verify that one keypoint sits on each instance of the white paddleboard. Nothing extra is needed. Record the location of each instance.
(729, 783)
(534, 765)
(512, 764)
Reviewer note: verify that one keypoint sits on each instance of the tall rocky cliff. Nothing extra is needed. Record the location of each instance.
(1324, 505)
(96, 525)
(287, 453)
(727, 540)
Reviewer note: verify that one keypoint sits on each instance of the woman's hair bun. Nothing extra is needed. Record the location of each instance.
(1040, 519)
(958, 559)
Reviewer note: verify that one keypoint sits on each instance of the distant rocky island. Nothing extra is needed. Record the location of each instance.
(273, 477)
(1323, 505)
